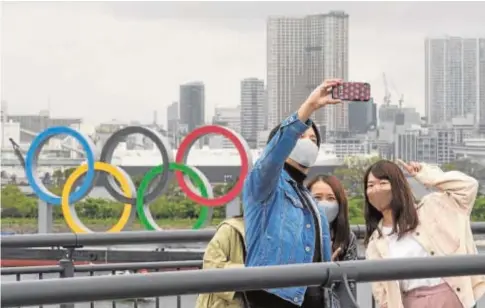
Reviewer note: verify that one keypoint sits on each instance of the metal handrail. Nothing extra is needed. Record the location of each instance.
(105, 238)
(138, 266)
(137, 237)
(55, 291)
(49, 269)
(133, 266)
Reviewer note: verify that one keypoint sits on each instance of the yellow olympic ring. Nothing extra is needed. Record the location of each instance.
(72, 220)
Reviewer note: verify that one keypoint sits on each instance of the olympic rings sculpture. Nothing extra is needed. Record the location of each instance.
(192, 181)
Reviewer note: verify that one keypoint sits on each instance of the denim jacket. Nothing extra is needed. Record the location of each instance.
(279, 229)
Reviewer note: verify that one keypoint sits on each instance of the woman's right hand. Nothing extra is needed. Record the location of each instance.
(322, 95)
(319, 98)
(336, 254)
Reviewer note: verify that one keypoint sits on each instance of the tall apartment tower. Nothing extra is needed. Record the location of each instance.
(252, 109)
(301, 52)
(455, 78)
(229, 117)
(192, 105)
(173, 120)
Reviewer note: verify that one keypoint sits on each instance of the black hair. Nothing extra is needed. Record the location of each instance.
(402, 205)
(340, 226)
(275, 130)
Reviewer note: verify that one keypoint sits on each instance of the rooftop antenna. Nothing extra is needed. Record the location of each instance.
(401, 101)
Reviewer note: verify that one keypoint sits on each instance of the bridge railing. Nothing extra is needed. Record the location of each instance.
(55, 291)
(67, 269)
(137, 237)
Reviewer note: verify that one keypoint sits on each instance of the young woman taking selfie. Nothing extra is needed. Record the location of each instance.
(397, 227)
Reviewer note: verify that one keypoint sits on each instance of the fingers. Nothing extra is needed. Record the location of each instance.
(412, 167)
(332, 101)
(332, 82)
(415, 166)
(336, 253)
(401, 163)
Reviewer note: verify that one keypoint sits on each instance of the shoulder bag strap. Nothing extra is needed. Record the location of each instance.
(245, 298)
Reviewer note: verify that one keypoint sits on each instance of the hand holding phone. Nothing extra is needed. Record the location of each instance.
(352, 91)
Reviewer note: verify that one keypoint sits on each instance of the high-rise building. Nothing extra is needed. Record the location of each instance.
(481, 86)
(229, 117)
(362, 116)
(265, 109)
(454, 78)
(301, 52)
(192, 105)
(173, 119)
(252, 109)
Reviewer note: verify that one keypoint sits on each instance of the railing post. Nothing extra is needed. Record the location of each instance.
(67, 266)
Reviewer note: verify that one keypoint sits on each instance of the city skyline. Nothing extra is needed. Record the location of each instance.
(301, 52)
(111, 56)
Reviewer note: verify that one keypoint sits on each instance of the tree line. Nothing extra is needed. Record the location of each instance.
(174, 205)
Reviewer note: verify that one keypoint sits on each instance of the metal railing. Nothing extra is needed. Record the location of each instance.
(92, 270)
(137, 237)
(69, 241)
(55, 291)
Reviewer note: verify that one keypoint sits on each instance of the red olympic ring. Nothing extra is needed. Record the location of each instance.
(181, 158)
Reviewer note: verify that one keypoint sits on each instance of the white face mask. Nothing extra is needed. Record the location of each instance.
(305, 152)
(331, 209)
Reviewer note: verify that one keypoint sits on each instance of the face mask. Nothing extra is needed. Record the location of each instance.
(380, 199)
(331, 210)
(305, 152)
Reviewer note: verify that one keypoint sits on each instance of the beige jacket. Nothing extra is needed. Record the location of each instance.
(444, 230)
(225, 250)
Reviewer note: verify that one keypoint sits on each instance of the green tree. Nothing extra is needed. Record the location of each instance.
(478, 212)
(67, 173)
(16, 204)
(351, 174)
(58, 177)
(469, 167)
(356, 210)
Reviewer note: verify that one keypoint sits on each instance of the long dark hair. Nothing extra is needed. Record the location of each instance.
(340, 226)
(404, 213)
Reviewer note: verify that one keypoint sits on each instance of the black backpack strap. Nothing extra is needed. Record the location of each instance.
(243, 245)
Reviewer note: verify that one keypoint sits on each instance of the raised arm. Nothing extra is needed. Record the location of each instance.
(461, 188)
(263, 178)
(455, 184)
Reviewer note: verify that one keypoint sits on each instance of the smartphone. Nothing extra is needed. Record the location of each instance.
(352, 91)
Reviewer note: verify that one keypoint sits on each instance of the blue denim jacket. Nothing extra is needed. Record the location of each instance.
(279, 229)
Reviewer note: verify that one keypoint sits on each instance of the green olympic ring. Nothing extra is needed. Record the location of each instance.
(143, 210)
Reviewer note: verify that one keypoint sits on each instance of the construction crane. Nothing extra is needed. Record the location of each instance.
(387, 95)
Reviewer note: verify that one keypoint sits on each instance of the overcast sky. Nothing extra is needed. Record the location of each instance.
(122, 60)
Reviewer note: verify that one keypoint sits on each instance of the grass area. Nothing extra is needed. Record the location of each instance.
(29, 225)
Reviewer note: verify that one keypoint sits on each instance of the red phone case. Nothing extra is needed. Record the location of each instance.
(352, 91)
